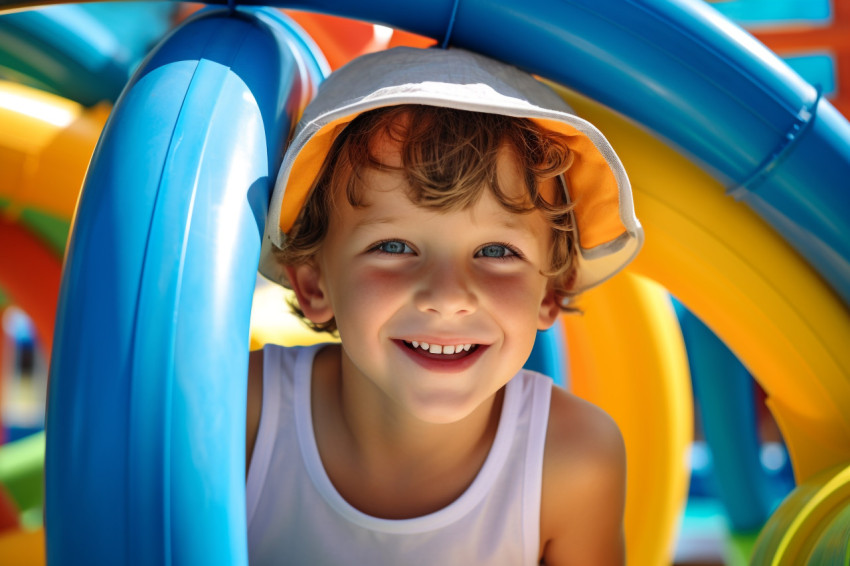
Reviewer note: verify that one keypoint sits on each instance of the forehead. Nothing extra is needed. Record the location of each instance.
(386, 145)
(385, 202)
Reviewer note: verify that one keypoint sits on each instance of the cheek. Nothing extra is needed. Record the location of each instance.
(519, 291)
(374, 283)
(516, 302)
(364, 292)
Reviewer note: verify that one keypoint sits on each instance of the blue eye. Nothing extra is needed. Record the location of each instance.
(393, 247)
(496, 251)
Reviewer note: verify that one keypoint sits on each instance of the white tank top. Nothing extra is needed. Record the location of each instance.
(296, 516)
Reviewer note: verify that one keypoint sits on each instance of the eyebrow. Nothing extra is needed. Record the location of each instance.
(369, 221)
(510, 223)
(506, 221)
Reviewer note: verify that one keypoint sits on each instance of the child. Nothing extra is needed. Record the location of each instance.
(435, 208)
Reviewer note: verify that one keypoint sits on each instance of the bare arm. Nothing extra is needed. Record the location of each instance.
(255, 404)
(584, 486)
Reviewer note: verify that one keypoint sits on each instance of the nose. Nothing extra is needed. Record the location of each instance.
(446, 290)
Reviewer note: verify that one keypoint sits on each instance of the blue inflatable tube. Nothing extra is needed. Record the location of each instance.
(145, 458)
(547, 356)
(66, 50)
(724, 392)
(687, 73)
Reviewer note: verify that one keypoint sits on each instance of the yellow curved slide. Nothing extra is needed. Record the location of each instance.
(755, 292)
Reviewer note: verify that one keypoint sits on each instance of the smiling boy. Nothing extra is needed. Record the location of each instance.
(432, 210)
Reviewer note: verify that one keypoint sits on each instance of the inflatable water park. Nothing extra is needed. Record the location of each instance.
(139, 143)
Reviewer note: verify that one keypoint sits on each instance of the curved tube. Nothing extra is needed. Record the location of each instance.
(746, 284)
(146, 403)
(65, 50)
(44, 168)
(811, 525)
(723, 389)
(641, 380)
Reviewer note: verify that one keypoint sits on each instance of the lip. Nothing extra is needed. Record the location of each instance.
(442, 365)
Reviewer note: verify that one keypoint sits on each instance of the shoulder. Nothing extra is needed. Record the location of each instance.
(580, 432)
(584, 484)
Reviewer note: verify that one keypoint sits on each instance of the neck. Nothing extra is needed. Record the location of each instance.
(379, 424)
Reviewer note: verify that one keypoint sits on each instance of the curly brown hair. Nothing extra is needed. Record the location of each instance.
(448, 158)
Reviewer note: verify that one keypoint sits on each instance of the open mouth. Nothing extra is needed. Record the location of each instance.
(441, 351)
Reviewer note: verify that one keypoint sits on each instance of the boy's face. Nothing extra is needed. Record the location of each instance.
(397, 276)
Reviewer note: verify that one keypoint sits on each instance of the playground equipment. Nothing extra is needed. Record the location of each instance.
(676, 67)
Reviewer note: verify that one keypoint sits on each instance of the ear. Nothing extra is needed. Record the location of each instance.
(307, 283)
(549, 309)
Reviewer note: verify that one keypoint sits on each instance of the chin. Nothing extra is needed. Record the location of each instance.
(445, 412)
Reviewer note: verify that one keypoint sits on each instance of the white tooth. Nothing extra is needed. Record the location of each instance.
(415, 344)
(436, 349)
(466, 347)
(448, 349)
(424, 345)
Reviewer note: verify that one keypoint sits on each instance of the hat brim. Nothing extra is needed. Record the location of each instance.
(609, 234)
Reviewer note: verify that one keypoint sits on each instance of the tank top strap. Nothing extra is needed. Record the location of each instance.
(537, 394)
(279, 371)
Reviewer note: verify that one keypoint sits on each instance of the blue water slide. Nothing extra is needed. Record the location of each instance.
(145, 455)
(688, 74)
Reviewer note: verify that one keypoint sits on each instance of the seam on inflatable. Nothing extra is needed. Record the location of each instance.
(451, 25)
(167, 503)
(804, 119)
(168, 409)
(131, 456)
(205, 67)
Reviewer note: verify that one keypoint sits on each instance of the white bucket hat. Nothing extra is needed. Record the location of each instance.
(609, 234)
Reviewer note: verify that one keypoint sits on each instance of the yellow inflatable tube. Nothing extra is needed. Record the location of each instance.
(755, 292)
(626, 355)
(23, 548)
(46, 142)
(812, 526)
